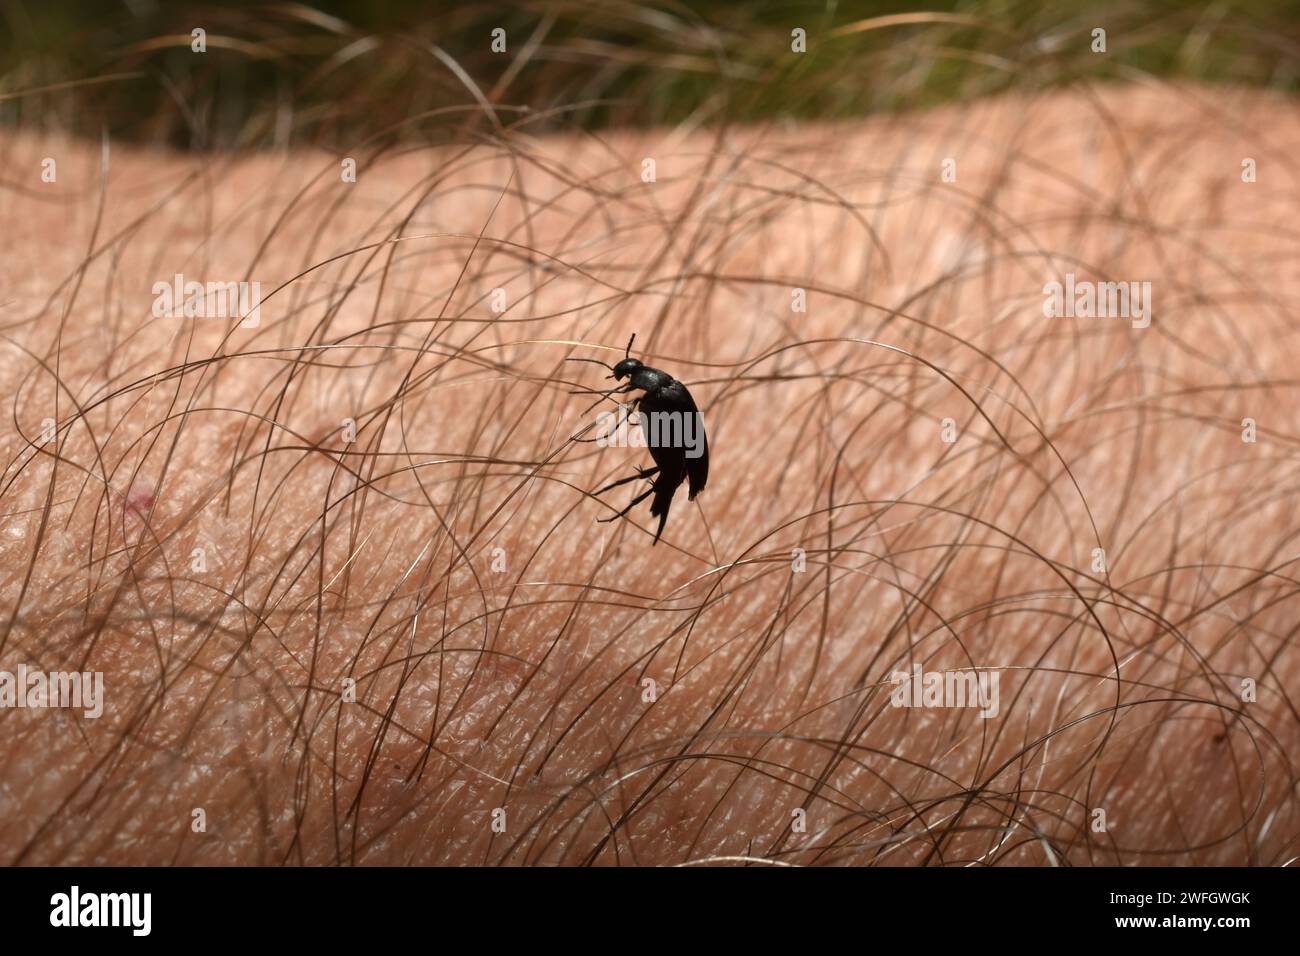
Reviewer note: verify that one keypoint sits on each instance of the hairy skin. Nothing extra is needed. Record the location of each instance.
(202, 531)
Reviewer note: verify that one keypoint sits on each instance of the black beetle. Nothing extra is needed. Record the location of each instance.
(673, 430)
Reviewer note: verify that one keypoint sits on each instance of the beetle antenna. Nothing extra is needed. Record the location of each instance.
(592, 361)
(627, 353)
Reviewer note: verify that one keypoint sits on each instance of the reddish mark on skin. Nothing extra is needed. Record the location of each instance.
(140, 499)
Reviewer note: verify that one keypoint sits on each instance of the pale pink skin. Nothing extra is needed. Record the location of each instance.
(523, 690)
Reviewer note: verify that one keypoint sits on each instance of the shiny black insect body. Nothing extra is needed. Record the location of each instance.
(673, 430)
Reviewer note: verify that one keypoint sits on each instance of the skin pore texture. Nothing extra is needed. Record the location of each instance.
(342, 574)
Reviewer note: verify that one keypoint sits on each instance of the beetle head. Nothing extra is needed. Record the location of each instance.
(628, 366)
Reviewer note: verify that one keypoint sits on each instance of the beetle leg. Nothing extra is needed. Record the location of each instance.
(632, 504)
(622, 389)
(640, 473)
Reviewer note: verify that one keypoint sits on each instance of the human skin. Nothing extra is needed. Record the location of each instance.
(420, 646)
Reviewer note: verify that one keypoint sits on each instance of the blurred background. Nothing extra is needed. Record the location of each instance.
(335, 72)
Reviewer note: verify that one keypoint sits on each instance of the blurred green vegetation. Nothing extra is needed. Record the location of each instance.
(339, 71)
